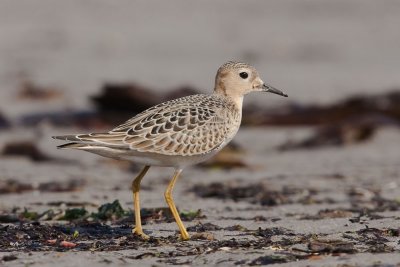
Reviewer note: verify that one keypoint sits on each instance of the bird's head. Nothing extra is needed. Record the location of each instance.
(236, 79)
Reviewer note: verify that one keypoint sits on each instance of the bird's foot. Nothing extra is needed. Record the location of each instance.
(140, 233)
(184, 236)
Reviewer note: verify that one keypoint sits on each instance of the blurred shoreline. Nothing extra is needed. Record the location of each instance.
(310, 180)
(319, 52)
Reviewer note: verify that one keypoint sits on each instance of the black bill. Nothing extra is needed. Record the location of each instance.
(270, 89)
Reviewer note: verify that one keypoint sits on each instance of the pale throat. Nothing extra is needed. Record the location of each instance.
(238, 100)
(235, 98)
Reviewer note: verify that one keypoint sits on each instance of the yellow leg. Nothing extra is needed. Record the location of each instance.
(172, 207)
(136, 203)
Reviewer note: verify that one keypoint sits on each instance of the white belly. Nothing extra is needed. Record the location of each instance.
(153, 159)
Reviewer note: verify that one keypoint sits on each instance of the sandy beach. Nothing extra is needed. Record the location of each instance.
(279, 198)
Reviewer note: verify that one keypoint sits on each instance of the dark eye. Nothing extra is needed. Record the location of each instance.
(244, 75)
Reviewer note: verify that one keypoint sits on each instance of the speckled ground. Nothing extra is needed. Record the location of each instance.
(322, 207)
(330, 206)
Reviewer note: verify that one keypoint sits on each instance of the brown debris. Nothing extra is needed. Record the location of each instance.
(67, 203)
(115, 104)
(350, 121)
(336, 135)
(331, 246)
(192, 215)
(151, 215)
(96, 236)
(203, 236)
(144, 255)
(26, 149)
(31, 91)
(385, 107)
(373, 240)
(123, 100)
(11, 186)
(381, 234)
(51, 241)
(253, 193)
(266, 260)
(4, 123)
(71, 185)
(236, 227)
(200, 227)
(370, 200)
(129, 99)
(118, 102)
(8, 218)
(274, 231)
(328, 214)
(9, 258)
(163, 214)
(230, 157)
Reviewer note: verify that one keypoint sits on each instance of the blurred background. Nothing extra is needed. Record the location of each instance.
(324, 161)
(93, 64)
(316, 51)
(77, 66)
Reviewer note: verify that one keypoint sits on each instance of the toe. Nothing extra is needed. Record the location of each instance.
(141, 234)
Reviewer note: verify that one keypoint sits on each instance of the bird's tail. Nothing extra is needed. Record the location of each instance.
(90, 142)
(72, 146)
(72, 138)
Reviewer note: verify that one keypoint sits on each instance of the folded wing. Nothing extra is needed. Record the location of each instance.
(171, 128)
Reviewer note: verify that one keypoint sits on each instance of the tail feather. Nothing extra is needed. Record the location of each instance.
(104, 151)
(101, 139)
(71, 145)
(72, 138)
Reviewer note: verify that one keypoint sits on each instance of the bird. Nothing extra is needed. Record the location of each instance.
(177, 133)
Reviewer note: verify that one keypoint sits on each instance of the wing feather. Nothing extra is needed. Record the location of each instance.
(186, 126)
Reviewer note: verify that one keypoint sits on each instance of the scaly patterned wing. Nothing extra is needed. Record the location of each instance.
(185, 126)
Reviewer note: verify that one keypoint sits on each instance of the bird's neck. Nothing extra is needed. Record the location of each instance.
(221, 89)
(236, 100)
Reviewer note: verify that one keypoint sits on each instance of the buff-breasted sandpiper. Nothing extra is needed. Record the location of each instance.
(178, 133)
